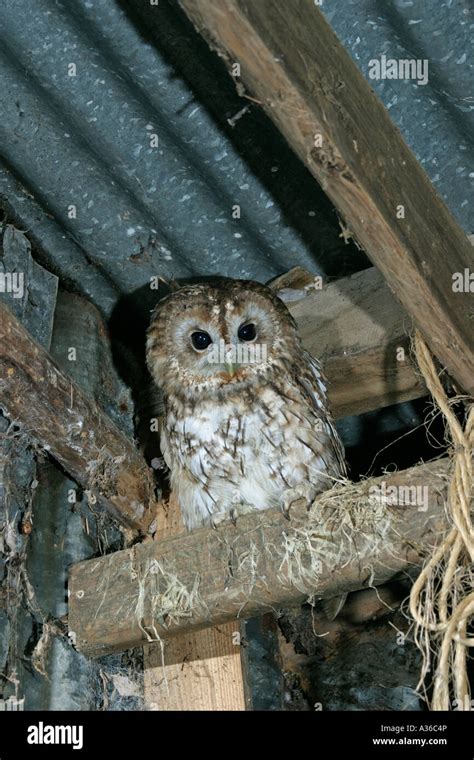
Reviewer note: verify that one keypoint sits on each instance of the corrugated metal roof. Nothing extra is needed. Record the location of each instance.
(85, 97)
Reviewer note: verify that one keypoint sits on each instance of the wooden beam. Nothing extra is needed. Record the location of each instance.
(361, 334)
(360, 536)
(57, 415)
(293, 64)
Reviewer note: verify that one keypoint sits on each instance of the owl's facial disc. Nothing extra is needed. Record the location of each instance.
(224, 360)
(228, 359)
(223, 343)
(207, 337)
(241, 348)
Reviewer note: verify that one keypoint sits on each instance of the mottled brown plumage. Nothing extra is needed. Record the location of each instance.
(246, 424)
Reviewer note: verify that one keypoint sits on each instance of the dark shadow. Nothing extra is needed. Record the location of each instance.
(394, 438)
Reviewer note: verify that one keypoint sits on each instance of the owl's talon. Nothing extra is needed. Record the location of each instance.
(303, 495)
(218, 518)
(235, 511)
(286, 502)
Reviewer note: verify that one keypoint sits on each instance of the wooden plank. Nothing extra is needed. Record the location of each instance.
(363, 536)
(57, 415)
(359, 331)
(293, 64)
(201, 670)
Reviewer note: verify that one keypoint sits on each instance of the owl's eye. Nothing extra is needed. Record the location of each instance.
(247, 332)
(201, 340)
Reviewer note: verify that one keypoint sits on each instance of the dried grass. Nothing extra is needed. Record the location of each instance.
(442, 597)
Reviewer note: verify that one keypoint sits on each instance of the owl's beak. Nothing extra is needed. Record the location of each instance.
(230, 368)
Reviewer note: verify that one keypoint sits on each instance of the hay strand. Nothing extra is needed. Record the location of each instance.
(442, 597)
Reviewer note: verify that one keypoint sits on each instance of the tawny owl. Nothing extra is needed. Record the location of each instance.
(246, 424)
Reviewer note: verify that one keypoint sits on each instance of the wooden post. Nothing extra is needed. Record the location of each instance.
(58, 416)
(360, 535)
(200, 670)
(293, 64)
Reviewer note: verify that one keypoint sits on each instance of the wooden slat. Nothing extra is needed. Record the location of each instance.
(54, 411)
(293, 64)
(201, 670)
(361, 334)
(208, 577)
